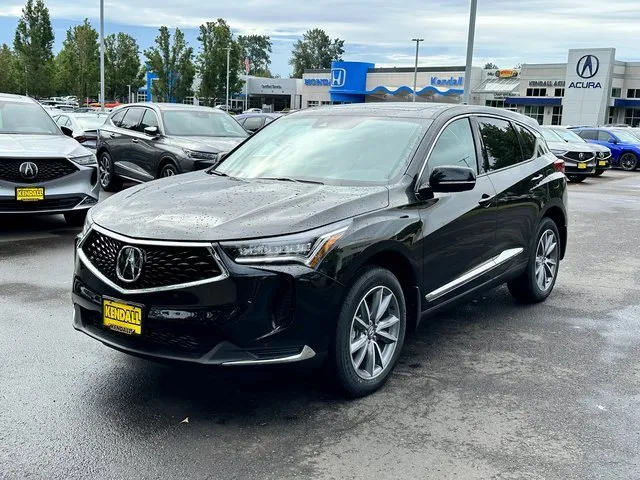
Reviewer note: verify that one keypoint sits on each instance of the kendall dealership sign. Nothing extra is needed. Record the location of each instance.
(447, 82)
(547, 83)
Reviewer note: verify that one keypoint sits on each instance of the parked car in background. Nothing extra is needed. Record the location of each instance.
(326, 236)
(253, 110)
(603, 154)
(579, 158)
(145, 141)
(252, 122)
(624, 145)
(83, 125)
(42, 169)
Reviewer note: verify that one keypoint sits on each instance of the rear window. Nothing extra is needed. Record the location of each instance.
(527, 141)
(500, 141)
(588, 134)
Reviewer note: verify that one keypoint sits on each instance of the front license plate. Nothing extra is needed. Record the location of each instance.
(122, 317)
(582, 166)
(602, 163)
(29, 194)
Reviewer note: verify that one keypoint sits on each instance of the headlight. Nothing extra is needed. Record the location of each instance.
(559, 153)
(88, 223)
(308, 248)
(200, 155)
(85, 160)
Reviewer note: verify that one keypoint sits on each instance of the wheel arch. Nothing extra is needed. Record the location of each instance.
(165, 161)
(557, 214)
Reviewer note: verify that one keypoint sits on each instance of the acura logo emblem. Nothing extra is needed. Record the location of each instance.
(28, 170)
(338, 77)
(129, 264)
(582, 156)
(588, 66)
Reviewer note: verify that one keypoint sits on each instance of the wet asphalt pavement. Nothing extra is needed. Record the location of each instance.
(490, 389)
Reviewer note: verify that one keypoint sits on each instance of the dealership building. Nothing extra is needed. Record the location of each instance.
(591, 88)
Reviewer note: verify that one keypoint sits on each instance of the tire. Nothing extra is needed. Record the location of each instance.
(576, 178)
(76, 218)
(527, 288)
(367, 369)
(107, 177)
(598, 173)
(168, 170)
(628, 161)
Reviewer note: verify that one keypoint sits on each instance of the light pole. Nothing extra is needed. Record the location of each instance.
(228, 49)
(415, 70)
(102, 55)
(129, 101)
(467, 69)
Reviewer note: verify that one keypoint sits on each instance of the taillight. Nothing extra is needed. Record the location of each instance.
(558, 166)
(81, 139)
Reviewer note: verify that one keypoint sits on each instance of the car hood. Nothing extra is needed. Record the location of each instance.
(33, 146)
(571, 147)
(599, 148)
(207, 144)
(203, 207)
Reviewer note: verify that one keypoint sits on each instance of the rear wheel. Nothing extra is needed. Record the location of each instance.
(538, 280)
(629, 161)
(76, 218)
(370, 332)
(108, 180)
(576, 178)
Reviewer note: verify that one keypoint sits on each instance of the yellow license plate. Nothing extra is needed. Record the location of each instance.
(602, 163)
(29, 194)
(582, 166)
(122, 317)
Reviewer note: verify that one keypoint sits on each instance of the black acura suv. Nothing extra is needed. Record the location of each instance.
(326, 236)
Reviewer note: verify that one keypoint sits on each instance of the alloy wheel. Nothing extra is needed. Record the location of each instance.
(546, 260)
(168, 172)
(374, 332)
(628, 161)
(104, 168)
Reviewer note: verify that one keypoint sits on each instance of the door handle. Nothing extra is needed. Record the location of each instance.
(112, 135)
(486, 200)
(134, 140)
(537, 178)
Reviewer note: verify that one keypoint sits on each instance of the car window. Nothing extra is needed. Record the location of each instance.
(253, 123)
(132, 118)
(454, 147)
(527, 141)
(268, 120)
(501, 146)
(150, 119)
(201, 122)
(241, 121)
(117, 117)
(588, 134)
(604, 136)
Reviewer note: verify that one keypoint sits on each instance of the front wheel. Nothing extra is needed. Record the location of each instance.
(370, 332)
(169, 170)
(108, 180)
(538, 280)
(629, 161)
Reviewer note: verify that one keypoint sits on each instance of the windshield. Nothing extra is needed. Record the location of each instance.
(26, 118)
(90, 122)
(201, 123)
(626, 137)
(568, 135)
(550, 135)
(328, 149)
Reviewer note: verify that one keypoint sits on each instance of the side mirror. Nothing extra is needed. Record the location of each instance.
(451, 179)
(613, 140)
(67, 131)
(151, 131)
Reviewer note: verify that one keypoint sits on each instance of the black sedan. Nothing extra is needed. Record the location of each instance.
(327, 236)
(145, 141)
(252, 122)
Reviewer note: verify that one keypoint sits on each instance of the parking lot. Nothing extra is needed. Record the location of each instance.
(487, 390)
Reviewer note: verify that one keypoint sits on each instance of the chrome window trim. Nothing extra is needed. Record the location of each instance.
(209, 246)
(474, 273)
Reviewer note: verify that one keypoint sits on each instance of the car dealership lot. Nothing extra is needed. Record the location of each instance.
(489, 388)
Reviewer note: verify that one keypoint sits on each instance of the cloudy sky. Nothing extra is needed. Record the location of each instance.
(508, 31)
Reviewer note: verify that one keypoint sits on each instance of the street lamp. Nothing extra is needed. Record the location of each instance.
(102, 55)
(129, 101)
(467, 69)
(228, 49)
(415, 70)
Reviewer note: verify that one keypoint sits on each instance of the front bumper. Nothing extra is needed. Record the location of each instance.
(603, 164)
(573, 167)
(77, 191)
(251, 316)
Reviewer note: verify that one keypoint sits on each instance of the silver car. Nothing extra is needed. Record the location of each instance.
(42, 169)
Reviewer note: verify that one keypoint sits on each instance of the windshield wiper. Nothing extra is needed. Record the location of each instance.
(213, 171)
(294, 180)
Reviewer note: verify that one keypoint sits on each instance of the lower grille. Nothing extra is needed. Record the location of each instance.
(47, 169)
(66, 203)
(162, 266)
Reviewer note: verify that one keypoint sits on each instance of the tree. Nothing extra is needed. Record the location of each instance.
(122, 65)
(491, 66)
(33, 43)
(257, 48)
(215, 38)
(315, 50)
(173, 64)
(9, 72)
(79, 61)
